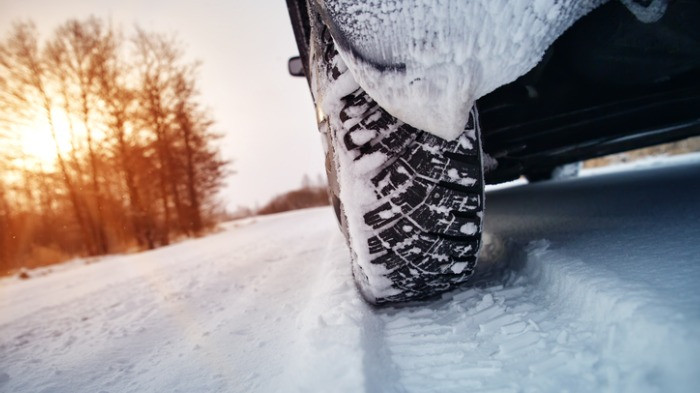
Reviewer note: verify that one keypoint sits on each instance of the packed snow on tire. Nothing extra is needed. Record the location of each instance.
(426, 62)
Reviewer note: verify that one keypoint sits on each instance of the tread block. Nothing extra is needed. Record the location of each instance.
(391, 178)
(455, 201)
(382, 215)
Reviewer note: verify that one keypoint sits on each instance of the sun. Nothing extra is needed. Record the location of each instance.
(37, 143)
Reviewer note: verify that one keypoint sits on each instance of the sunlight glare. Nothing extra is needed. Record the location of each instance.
(37, 143)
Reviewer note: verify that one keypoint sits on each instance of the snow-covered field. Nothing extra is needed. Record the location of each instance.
(585, 285)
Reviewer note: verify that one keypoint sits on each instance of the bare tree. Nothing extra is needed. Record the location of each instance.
(23, 63)
(119, 100)
(75, 52)
(142, 167)
(156, 57)
(190, 120)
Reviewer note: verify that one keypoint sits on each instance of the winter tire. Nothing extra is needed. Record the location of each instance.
(410, 204)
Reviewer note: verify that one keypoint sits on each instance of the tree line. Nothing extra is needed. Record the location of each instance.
(310, 194)
(141, 168)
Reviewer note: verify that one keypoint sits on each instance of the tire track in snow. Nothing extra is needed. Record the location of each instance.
(331, 329)
(542, 323)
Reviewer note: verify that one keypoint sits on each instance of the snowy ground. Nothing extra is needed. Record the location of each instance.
(585, 285)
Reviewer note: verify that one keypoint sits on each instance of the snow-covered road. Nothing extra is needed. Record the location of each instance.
(585, 285)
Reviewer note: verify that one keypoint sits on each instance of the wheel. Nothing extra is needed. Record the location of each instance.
(410, 204)
(566, 171)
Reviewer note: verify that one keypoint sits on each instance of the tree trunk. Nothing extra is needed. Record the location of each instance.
(6, 235)
(139, 218)
(89, 241)
(99, 227)
(195, 215)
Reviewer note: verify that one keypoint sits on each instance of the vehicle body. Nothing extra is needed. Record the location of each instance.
(611, 78)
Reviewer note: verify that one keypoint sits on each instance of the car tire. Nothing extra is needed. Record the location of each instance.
(409, 203)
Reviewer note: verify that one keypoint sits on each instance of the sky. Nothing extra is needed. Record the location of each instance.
(265, 115)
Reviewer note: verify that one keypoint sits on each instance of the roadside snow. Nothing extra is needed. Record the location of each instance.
(609, 302)
(215, 314)
(644, 163)
(634, 165)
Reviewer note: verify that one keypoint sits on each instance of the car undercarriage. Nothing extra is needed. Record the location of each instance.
(610, 83)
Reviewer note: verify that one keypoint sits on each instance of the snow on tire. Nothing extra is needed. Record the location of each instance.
(410, 202)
